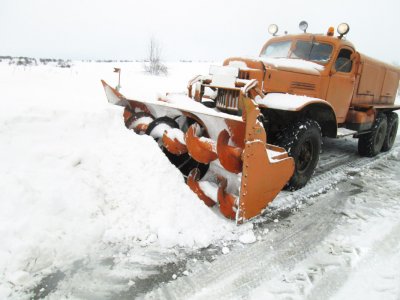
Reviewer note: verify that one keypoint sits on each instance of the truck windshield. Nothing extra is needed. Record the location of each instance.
(307, 50)
(278, 50)
(313, 51)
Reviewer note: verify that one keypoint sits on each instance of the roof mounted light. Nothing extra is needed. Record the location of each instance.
(303, 26)
(343, 29)
(273, 29)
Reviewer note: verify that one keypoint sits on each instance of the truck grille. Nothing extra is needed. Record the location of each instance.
(244, 74)
(228, 100)
(302, 86)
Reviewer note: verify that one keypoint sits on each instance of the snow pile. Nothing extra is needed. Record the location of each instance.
(299, 64)
(285, 101)
(247, 237)
(74, 177)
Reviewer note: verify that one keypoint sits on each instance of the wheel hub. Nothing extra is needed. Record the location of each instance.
(305, 156)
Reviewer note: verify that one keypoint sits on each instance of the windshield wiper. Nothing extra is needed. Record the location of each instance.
(311, 48)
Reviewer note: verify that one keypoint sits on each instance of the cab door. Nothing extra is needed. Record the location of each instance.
(341, 83)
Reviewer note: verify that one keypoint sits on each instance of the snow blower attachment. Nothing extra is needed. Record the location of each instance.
(224, 157)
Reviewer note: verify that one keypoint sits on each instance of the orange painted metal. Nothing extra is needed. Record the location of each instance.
(361, 117)
(237, 131)
(192, 182)
(227, 205)
(352, 95)
(201, 149)
(173, 145)
(369, 81)
(127, 116)
(136, 121)
(229, 156)
(262, 177)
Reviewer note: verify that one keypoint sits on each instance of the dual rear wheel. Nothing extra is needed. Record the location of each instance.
(302, 141)
(381, 137)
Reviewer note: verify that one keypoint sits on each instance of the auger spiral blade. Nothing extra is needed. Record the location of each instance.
(236, 166)
(192, 182)
(173, 144)
(227, 201)
(229, 156)
(201, 149)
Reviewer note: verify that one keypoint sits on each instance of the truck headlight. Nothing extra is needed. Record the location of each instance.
(303, 26)
(343, 29)
(273, 29)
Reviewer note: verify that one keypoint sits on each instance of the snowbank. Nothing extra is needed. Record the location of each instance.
(73, 176)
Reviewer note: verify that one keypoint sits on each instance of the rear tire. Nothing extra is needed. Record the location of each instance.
(302, 141)
(371, 143)
(391, 132)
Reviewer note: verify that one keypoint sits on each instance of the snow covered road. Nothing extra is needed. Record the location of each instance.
(342, 244)
(89, 210)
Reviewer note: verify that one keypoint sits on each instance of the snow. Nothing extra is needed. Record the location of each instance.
(332, 237)
(184, 102)
(290, 64)
(210, 189)
(298, 64)
(213, 119)
(224, 76)
(225, 250)
(159, 130)
(224, 70)
(140, 121)
(74, 179)
(359, 257)
(79, 189)
(175, 133)
(272, 154)
(239, 64)
(248, 237)
(286, 101)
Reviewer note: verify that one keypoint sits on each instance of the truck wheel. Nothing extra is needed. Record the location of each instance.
(391, 132)
(370, 144)
(302, 141)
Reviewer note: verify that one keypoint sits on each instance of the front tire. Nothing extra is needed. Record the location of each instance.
(371, 143)
(302, 141)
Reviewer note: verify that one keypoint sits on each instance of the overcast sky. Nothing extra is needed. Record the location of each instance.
(198, 30)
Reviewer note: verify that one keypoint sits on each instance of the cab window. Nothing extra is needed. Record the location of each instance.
(278, 50)
(343, 61)
(312, 51)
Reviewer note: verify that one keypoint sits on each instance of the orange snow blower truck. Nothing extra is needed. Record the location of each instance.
(254, 125)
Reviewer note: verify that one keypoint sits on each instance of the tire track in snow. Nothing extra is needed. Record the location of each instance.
(388, 246)
(368, 237)
(237, 274)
